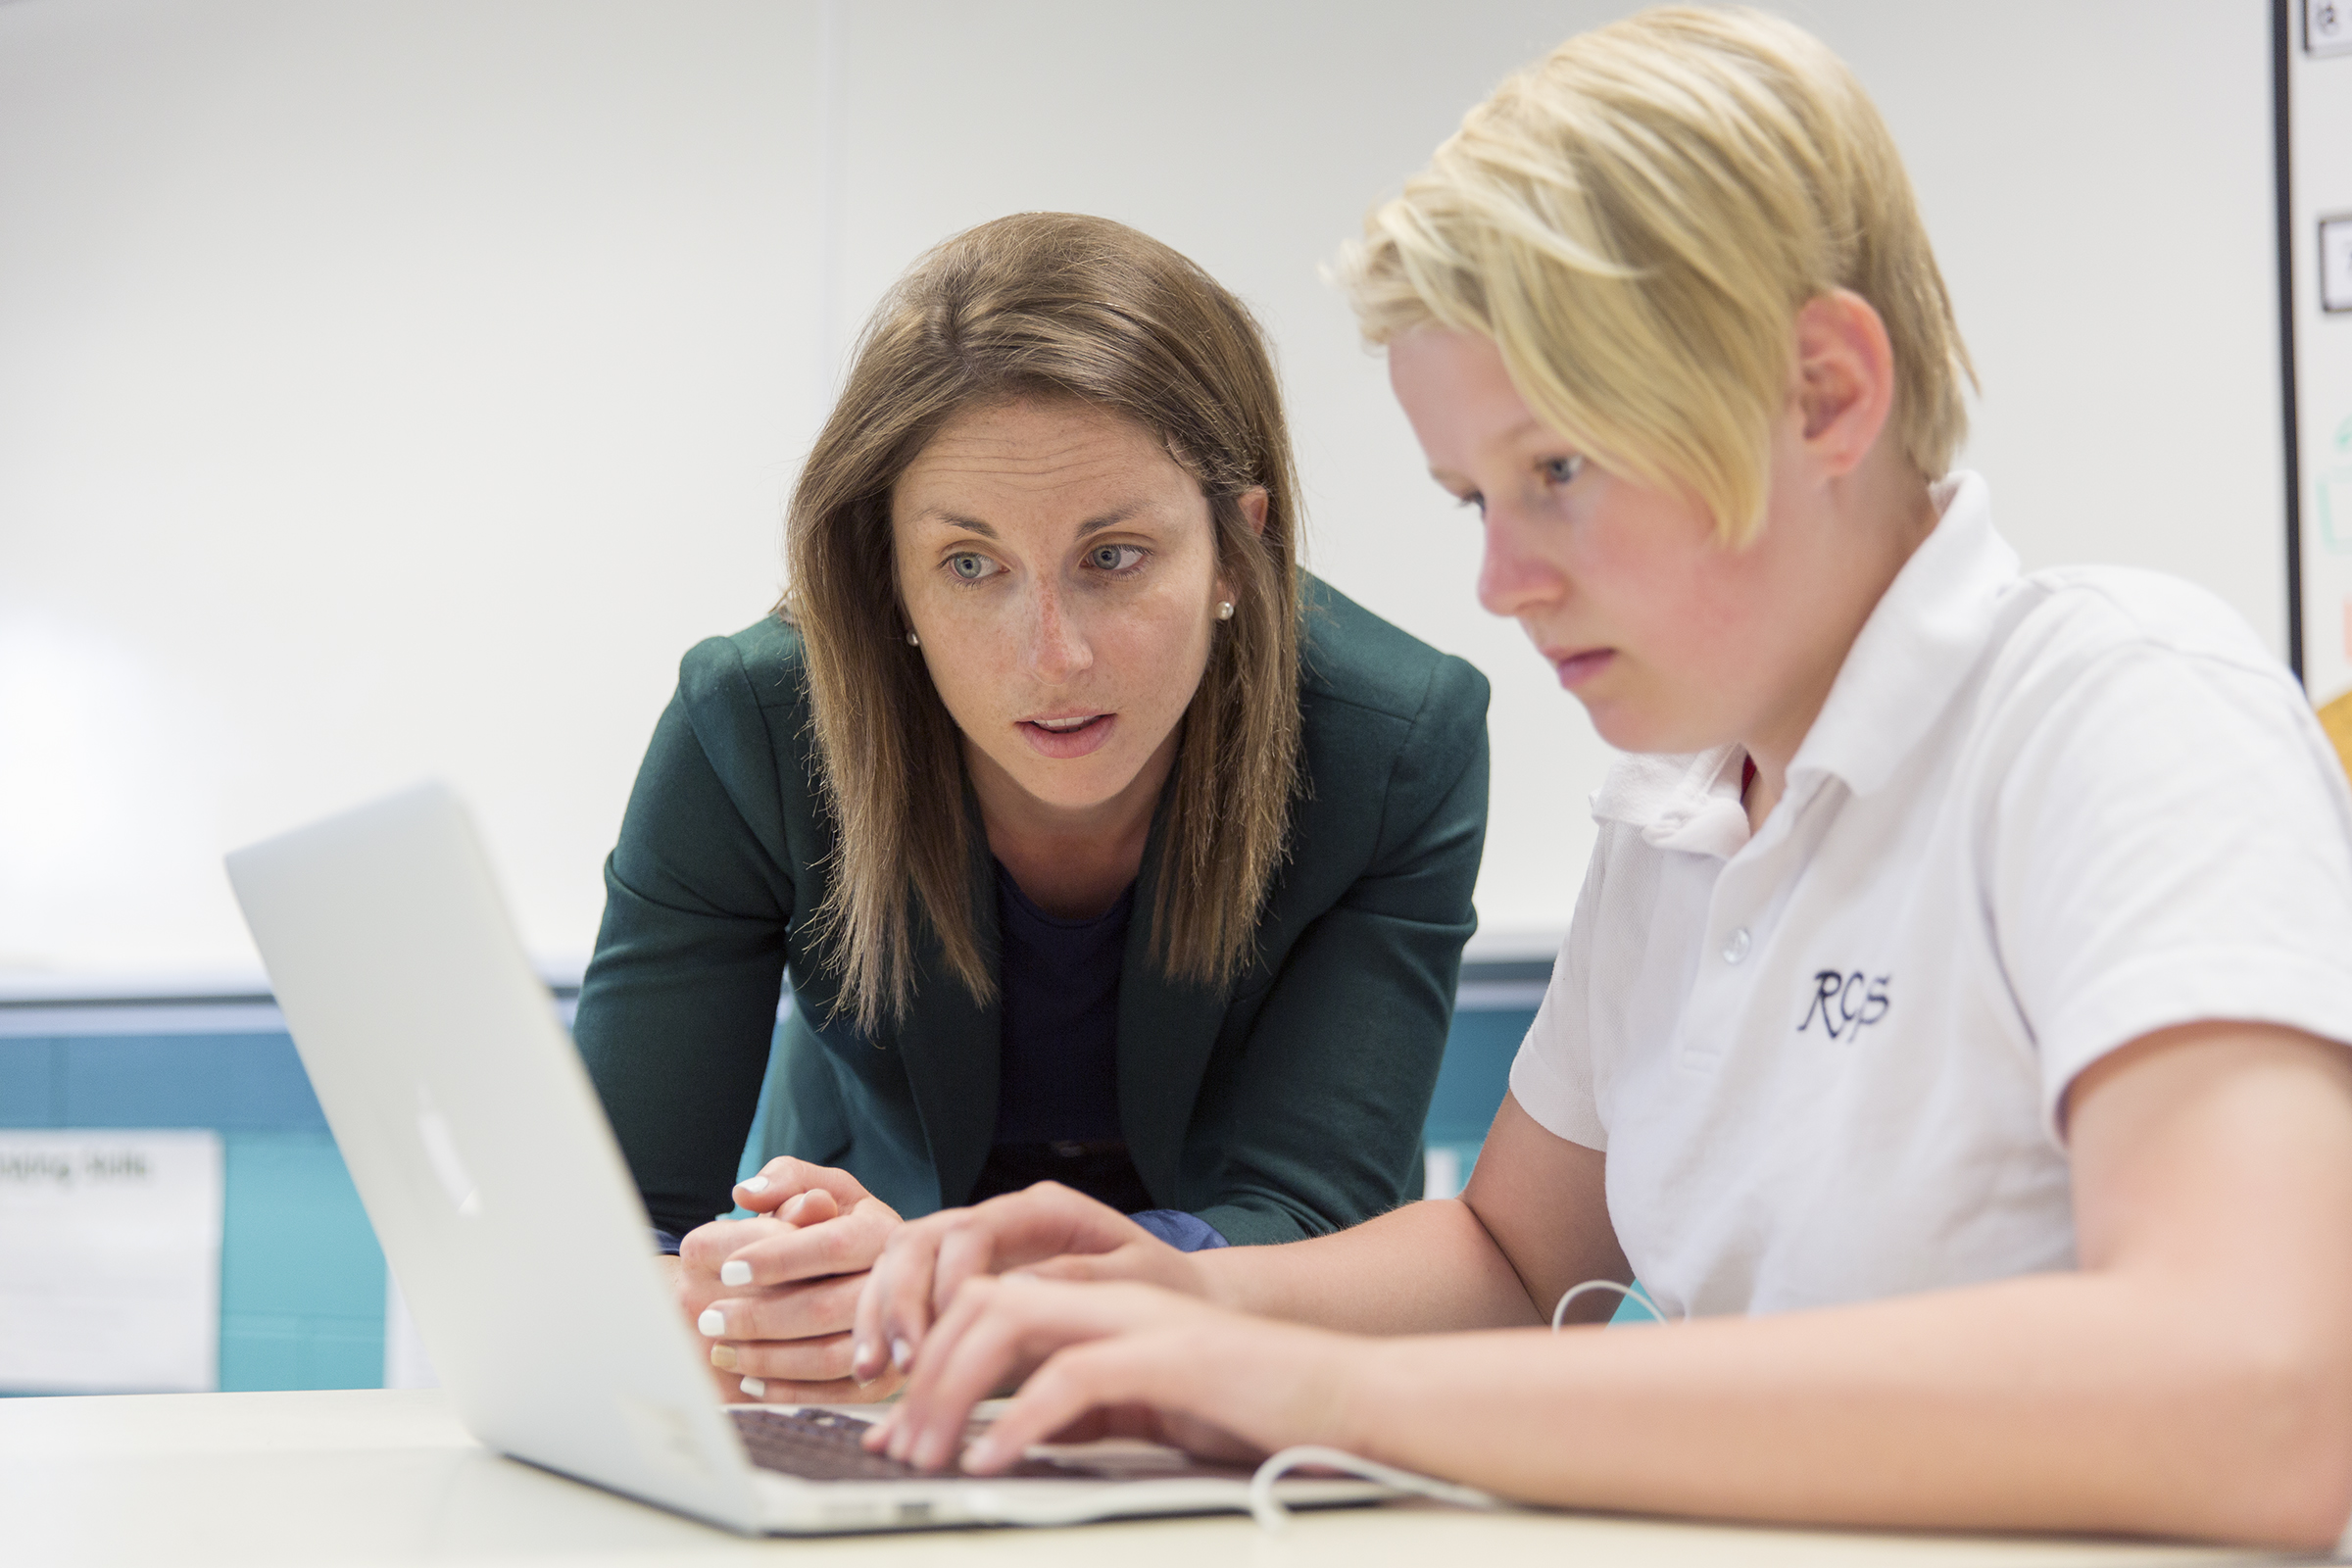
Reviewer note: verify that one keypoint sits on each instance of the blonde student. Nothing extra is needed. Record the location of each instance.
(1950, 1032)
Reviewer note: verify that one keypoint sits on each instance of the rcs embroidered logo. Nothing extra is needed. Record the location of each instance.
(1845, 1004)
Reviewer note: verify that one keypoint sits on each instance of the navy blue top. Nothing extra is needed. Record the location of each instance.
(1058, 1096)
(1059, 1075)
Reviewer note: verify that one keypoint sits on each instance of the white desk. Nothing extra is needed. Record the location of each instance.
(369, 1477)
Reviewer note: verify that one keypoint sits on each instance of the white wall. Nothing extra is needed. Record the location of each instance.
(384, 391)
(401, 389)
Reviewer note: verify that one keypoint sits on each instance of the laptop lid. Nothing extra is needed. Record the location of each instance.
(483, 1156)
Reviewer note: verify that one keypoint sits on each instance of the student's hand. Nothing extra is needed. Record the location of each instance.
(784, 1285)
(1047, 1229)
(1116, 1359)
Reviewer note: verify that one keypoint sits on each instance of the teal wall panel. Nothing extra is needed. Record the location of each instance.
(260, 1352)
(244, 1082)
(1476, 1073)
(29, 1078)
(301, 1279)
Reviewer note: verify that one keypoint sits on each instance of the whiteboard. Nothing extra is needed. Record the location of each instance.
(399, 389)
(2315, 252)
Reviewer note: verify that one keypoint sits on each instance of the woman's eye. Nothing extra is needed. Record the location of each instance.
(1474, 501)
(1113, 558)
(1559, 470)
(970, 567)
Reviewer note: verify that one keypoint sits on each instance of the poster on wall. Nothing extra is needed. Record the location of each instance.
(109, 1262)
(2315, 276)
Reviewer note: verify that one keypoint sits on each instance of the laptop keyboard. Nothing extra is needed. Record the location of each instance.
(823, 1445)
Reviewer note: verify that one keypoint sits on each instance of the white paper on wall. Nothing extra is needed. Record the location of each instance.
(109, 1262)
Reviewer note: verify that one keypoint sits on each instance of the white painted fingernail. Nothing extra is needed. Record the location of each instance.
(753, 1387)
(734, 1271)
(793, 1208)
(713, 1322)
(757, 1184)
(901, 1355)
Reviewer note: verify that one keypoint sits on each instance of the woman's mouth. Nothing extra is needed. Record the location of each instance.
(1067, 735)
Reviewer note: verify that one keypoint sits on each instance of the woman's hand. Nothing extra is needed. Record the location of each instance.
(1049, 1229)
(776, 1295)
(1115, 1359)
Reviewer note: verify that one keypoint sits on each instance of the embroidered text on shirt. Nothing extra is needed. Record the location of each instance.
(1845, 1004)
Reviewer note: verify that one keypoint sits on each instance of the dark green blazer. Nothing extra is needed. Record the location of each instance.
(1291, 1107)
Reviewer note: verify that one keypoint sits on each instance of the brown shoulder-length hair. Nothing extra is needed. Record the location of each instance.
(1042, 305)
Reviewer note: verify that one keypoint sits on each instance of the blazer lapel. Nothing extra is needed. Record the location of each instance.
(1167, 1032)
(952, 1050)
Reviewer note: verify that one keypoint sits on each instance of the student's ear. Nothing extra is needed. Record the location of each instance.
(1845, 388)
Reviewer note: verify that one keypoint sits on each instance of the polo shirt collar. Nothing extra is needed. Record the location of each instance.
(1918, 646)
(1689, 803)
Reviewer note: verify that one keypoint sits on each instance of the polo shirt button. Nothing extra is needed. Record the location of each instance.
(1736, 948)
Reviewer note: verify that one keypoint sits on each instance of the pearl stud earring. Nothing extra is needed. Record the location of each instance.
(1225, 609)
(912, 641)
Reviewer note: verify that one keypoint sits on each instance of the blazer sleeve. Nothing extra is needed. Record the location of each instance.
(678, 1007)
(1320, 1123)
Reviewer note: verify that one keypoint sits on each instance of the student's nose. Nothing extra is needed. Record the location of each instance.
(1514, 577)
(1057, 648)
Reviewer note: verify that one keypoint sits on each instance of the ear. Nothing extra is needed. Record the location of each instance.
(1844, 389)
(1253, 507)
(1253, 510)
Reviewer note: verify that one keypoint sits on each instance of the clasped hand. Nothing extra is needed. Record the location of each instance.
(775, 1294)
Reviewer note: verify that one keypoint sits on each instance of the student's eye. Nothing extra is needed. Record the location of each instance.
(1473, 499)
(1559, 470)
(971, 566)
(1113, 558)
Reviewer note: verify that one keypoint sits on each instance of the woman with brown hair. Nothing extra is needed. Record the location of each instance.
(1102, 844)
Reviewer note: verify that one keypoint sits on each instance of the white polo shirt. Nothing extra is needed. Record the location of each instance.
(2038, 817)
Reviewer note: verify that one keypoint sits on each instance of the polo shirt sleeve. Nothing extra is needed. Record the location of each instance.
(1552, 1076)
(2172, 844)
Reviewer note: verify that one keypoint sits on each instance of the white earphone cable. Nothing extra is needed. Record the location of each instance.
(1270, 1513)
(1633, 1293)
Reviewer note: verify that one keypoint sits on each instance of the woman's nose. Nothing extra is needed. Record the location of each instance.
(1514, 577)
(1057, 650)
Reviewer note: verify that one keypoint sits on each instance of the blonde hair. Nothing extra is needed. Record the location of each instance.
(1042, 305)
(1635, 220)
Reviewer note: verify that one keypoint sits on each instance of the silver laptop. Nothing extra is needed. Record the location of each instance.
(510, 1222)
